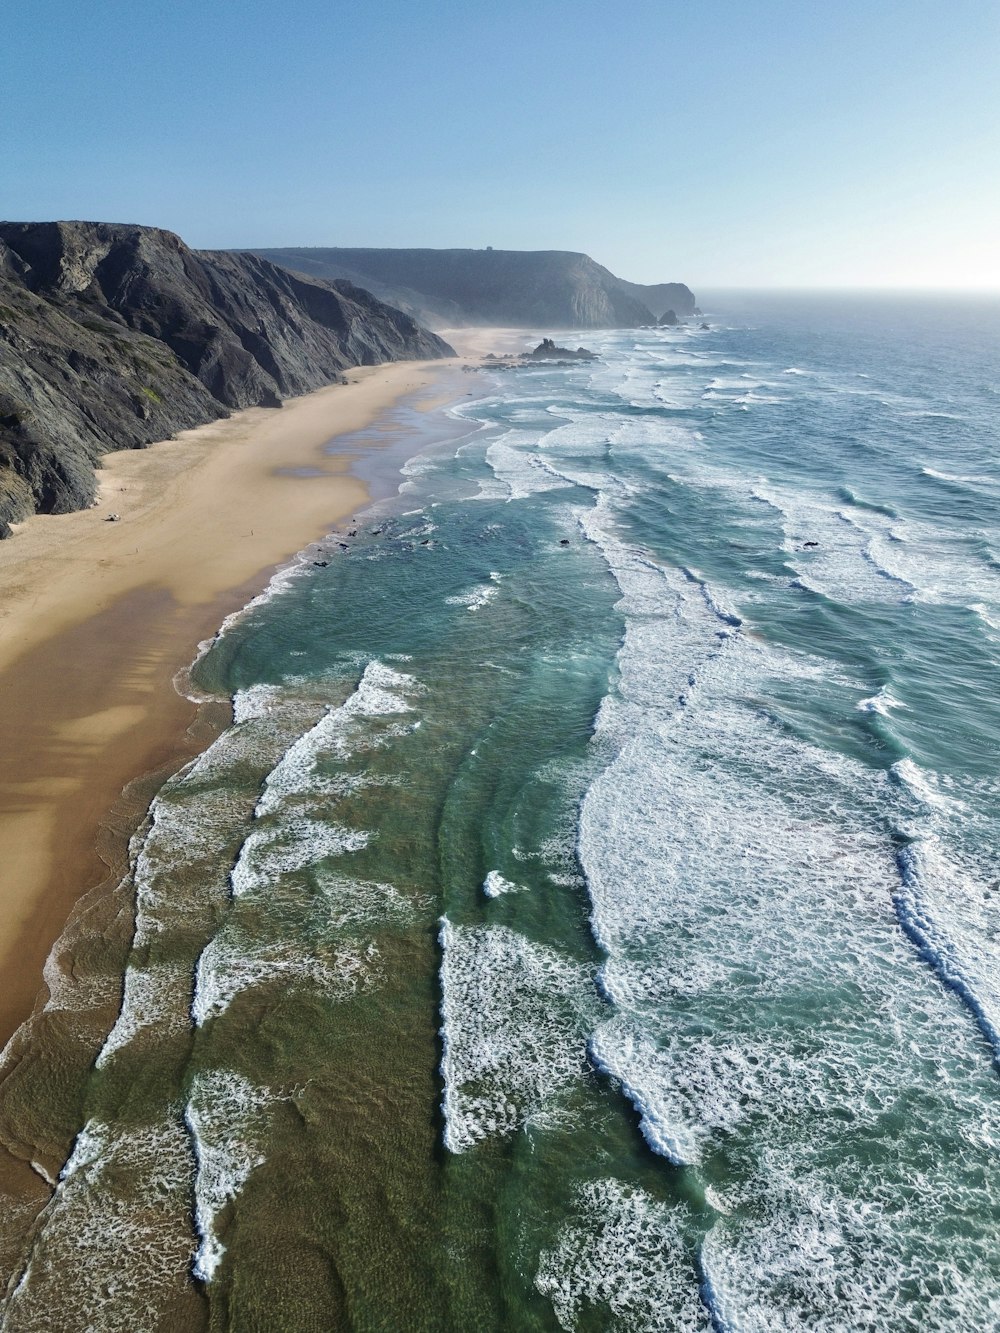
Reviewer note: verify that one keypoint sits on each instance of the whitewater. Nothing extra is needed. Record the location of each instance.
(590, 919)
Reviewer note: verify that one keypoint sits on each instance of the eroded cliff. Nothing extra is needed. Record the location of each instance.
(524, 288)
(113, 336)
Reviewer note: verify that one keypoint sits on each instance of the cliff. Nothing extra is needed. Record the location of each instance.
(114, 336)
(664, 296)
(527, 288)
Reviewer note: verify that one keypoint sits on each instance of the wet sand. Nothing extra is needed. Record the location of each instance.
(97, 618)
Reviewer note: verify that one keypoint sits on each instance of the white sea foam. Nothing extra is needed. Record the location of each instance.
(939, 564)
(515, 1017)
(494, 885)
(625, 1254)
(989, 615)
(380, 692)
(714, 873)
(286, 857)
(280, 582)
(845, 560)
(255, 701)
(804, 1256)
(181, 842)
(523, 472)
(946, 901)
(476, 598)
(883, 703)
(959, 478)
(236, 960)
(226, 1118)
(154, 999)
(292, 844)
(114, 1244)
(925, 786)
(621, 1052)
(357, 904)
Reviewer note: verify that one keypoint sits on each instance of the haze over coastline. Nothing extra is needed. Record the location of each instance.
(499, 635)
(772, 144)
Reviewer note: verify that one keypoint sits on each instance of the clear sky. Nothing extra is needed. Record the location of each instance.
(718, 142)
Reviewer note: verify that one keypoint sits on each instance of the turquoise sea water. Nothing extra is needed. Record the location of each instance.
(591, 919)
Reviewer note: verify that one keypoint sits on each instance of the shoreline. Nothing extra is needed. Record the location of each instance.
(99, 619)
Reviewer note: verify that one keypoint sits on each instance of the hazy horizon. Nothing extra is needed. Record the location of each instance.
(778, 147)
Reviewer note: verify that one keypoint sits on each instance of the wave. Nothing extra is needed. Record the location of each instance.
(293, 833)
(476, 598)
(883, 703)
(757, 976)
(225, 1117)
(628, 1254)
(282, 581)
(958, 479)
(514, 1027)
(381, 692)
(118, 1223)
(851, 497)
(521, 472)
(927, 916)
(495, 885)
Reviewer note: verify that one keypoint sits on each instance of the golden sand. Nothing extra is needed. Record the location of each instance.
(97, 617)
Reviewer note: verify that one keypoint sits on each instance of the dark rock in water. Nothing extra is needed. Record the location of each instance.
(810, 543)
(563, 541)
(548, 351)
(669, 318)
(114, 336)
(321, 564)
(520, 288)
(703, 326)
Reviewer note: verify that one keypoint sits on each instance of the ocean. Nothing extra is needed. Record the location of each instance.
(591, 919)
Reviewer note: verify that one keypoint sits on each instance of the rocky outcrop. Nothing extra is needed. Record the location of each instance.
(113, 336)
(664, 296)
(669, 319)
(548, 351)
(522, 288)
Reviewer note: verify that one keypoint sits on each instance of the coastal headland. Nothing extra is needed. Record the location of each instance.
(98, 617)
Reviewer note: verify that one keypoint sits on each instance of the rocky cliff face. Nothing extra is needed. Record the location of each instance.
(114, 336)
(529, 288)
(664, 296)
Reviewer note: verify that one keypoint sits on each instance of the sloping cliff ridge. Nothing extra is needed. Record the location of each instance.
(114, 336)
(529, 288)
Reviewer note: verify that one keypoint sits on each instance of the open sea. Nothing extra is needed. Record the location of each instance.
(591, 920)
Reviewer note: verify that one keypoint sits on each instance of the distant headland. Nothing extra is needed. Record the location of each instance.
(518, 288)
(114, 336)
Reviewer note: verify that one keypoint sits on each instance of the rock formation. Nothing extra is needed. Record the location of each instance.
(548, 351)
(663, 296)
(523, 288)
(114, 336)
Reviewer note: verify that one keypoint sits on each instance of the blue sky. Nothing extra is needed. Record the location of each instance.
(761, 143)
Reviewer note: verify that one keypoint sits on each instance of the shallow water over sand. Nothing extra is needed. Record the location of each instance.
(590, 919)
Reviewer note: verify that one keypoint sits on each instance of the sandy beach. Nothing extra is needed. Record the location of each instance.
(98, 617)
